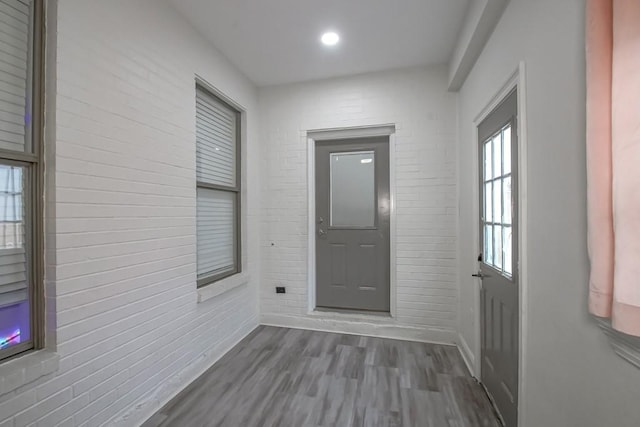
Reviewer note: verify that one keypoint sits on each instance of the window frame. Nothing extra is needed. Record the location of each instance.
(32, 162)
(236, 190)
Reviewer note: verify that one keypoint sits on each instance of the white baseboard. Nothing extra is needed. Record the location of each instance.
(367, 325)
(467, 355)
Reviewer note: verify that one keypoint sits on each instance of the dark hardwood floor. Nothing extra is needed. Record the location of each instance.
(289, 377)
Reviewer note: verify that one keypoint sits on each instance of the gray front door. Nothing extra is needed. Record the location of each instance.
(497, 136)
(352, 224)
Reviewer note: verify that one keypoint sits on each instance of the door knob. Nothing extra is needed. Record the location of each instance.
(321, 232)
(480, 275)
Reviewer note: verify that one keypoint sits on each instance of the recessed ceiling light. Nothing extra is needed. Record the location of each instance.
(330, 38)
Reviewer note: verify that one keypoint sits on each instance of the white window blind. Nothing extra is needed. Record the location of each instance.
(15, 30)
(215, 231)
(216, 141)
(218, 188)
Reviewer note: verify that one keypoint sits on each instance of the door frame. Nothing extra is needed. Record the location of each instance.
(313, 136)
(517, 81)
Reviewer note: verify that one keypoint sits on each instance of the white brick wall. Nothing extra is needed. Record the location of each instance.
(417, 102)
(130, 333)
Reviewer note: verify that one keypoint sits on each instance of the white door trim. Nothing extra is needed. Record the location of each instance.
(348, 133)
(516, 80)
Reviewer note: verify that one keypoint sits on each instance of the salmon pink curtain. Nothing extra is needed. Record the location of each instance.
(613, 160)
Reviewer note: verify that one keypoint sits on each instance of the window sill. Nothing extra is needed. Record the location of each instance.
(221, 286)
(625, 346)
(14, 373)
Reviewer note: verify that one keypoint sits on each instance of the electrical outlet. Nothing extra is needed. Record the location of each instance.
(281, 290)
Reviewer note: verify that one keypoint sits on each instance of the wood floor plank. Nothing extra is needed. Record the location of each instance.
(297, 378)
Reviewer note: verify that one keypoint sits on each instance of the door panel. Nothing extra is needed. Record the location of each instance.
(352, 224)
(499, 301)
(366, 277)
(338, 265)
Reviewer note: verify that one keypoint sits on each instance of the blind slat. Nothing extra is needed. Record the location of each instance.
(16, 10)
(13, 297)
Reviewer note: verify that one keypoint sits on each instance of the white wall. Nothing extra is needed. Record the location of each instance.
(573, 378)
(130, 332)
(417, 102)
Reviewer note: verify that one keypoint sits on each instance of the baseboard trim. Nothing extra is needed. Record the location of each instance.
(374, 327)
(142, 410)
(467, 355)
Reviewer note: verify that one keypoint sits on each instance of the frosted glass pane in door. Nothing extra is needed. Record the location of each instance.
(497, 201)
(488, 158)
(353, 189)
(506, 201)
(506, 133)
(497, 156)
(488, 204)
(488, 244)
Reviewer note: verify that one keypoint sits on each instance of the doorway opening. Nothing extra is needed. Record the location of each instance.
(351, 221)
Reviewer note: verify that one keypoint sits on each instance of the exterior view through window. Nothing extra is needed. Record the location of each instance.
(20, 218)
(218, 188)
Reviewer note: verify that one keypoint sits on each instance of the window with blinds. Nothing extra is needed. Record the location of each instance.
(20, 169)
(218, 192)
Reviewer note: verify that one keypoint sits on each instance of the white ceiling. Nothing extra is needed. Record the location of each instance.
(277, 41)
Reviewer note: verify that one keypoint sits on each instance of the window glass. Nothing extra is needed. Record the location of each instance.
(216, 231)
(497, 156)
(488, 205)
(488, 161)
(497, 201)
(15, 325)
(506, 135)
(353, 189)
(506, 200)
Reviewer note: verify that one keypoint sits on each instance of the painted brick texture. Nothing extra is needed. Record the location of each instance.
(121, 252)
(417, 102)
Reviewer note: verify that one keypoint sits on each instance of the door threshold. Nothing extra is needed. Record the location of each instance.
(350, 311)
